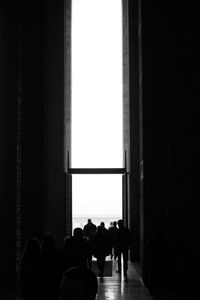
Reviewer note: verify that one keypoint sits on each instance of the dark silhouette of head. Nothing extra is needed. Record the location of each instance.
(89, 221)
(48, 242)
(33, 246)
(78, 283)
(99, 229)
(120, 223)
(102, 224)
(114, 223)
(78, 232)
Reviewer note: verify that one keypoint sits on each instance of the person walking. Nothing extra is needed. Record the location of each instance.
(89, 231)
(29, 270)
(77, 250)
(111, 236)
(78, 283)
(121, 246)
(100, 249)
(89, 227)
(50, 268)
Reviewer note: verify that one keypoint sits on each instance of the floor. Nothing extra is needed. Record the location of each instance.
(110, 288)
(122, 287)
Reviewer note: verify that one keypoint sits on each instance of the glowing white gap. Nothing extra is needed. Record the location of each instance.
(96, 83)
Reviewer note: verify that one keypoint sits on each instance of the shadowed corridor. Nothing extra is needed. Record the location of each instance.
(116, 287)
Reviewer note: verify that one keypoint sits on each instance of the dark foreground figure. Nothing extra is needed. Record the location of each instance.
(50, 269)
(77, 251)
(121, 246)
(78, 283)
(29, 281)
(100, 249)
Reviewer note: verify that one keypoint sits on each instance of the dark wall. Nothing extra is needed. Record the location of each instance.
(55, 205)
(32, 35)
(184, 142)
(37, 34)
(8, 71)
(134, 176)
(171, 146)
(43, 205)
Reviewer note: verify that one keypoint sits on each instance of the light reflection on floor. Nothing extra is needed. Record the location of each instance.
(122, 287)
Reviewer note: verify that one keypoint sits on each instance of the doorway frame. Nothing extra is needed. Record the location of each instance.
(132, 122)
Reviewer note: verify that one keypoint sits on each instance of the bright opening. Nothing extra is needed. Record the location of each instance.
(98, 197)
(97, 139)
(96, 84)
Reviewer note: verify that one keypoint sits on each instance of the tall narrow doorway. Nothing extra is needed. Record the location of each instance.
(96, 111)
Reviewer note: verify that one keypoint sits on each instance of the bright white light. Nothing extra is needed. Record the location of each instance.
(97, 105)
(96, 83)
(98, 197)
(97, 194)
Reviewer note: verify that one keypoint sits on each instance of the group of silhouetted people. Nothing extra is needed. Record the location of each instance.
(47, 273)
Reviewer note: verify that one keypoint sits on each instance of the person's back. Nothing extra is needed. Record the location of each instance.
(29, 271)
(122, 237)
(78, 283)
(89, 226)
(104, 229)
(121, 246)
(101, 247)
(50, 268)
(76, 250)
(112, 230)
(89, 231)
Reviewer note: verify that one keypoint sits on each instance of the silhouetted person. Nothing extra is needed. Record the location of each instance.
(101, 249)
(111, 236)
(78, 283)
(89, 227)
(111, 225)
(104, 229)
(29, 271)
(50, 268)
(122, 245)
(89, 231)
(77, 250)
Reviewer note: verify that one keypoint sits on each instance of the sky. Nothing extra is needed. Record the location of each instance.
(97, 139)
(97, 195)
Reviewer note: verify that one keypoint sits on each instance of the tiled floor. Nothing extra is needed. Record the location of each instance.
(110, 288)
(122, 287)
